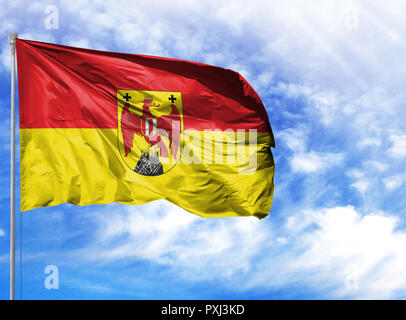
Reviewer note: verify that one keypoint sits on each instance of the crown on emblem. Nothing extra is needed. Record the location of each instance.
(146, 97)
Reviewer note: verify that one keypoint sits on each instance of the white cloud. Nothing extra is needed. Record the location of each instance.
(362, 185)
(302, 161)
(166, 234)
(320, 248)
(81, 43)
(368, 175)
(327, 104)
(5, 58)
(394, 182)
(328, 246)
(398, 148)
(2, 233)
(294, 138)
(376, 165)
(313, 162)
(369, 142)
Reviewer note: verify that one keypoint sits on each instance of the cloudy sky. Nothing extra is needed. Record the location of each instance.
(332, 76)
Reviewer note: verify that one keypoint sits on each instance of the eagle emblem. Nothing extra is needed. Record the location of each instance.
(150, 126)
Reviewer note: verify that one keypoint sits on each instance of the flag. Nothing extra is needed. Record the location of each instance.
(98, 127)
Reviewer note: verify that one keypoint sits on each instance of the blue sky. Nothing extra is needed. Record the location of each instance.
(331, 75)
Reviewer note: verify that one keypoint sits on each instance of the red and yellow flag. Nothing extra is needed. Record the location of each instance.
(99, 127)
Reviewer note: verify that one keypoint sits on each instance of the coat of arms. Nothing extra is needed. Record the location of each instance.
(150, 125)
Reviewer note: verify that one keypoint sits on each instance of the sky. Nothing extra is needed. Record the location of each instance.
(332, 77)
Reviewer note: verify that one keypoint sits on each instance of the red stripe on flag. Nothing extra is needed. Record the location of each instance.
(67, 87)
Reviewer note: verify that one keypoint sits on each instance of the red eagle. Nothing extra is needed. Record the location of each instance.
(151, 128)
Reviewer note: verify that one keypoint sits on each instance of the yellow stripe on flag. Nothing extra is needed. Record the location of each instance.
(84, 166)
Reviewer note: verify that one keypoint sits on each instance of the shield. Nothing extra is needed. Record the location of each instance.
(150, 127)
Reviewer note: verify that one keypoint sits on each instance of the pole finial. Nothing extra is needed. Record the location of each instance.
(13, 37)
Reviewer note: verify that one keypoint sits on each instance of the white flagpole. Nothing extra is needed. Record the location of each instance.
(13, 37)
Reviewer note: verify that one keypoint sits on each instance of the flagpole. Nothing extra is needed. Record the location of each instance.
(13, 37)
